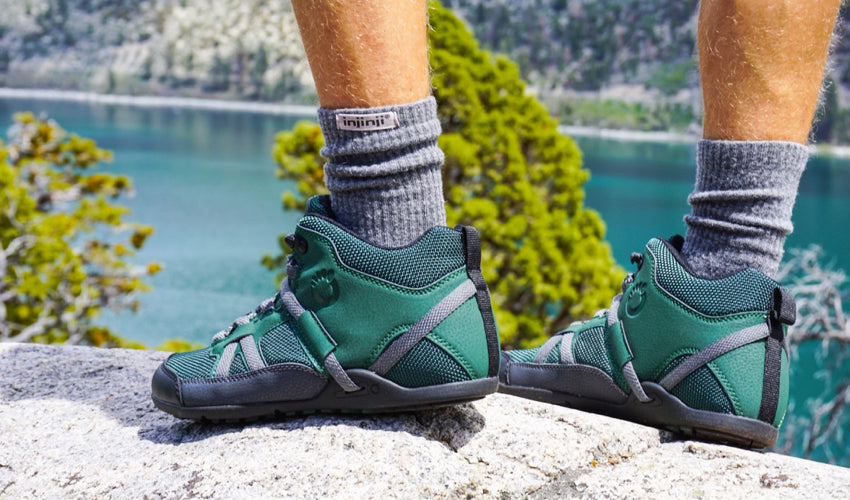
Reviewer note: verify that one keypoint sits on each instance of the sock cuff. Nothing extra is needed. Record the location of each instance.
(383, 170)
(398, 127)
(742, 204)
(731, 165)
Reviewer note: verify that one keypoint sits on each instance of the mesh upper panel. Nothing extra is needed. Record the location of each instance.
(523, 355)
(192, 364)
(700, 389)
(746, 291)
(554, 355)
(528, 355)
(426, 364)
(279, 345)
(438, 253)
(589, 349)
(239, 365)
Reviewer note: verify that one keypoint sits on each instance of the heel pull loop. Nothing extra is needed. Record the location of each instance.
(783, 308)
(472, 256)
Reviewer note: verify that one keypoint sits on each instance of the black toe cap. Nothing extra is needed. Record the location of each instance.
(165, 386)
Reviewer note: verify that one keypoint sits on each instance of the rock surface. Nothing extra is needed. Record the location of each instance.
(77, 422)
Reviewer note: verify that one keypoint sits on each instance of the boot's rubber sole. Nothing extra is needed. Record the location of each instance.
(665, 411)
(378, 395)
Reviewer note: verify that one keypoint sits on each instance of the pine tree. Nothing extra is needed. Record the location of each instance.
(510, 173)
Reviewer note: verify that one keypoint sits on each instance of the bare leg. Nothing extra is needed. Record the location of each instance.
(370, 59)
(366, 53)
(761, 63)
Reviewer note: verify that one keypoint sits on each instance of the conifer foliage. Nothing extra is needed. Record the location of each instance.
(64, 246)
(510, 173)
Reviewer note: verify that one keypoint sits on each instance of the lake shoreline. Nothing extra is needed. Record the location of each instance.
(823, 150)
(310, 111)
(159, 102)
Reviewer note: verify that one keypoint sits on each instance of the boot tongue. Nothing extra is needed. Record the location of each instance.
(678, 241)
(320, 205)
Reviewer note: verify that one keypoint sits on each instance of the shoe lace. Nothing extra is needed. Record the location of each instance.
(286, 297)
(612, 318)
(635, 258)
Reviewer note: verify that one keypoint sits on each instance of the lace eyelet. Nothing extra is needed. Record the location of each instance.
(296, 243)
(636, 258)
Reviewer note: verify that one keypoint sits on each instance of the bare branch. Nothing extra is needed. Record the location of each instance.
(39, 327)
(819, 291)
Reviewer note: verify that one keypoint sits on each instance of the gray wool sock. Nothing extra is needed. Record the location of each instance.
(383, 170)
(741, 205)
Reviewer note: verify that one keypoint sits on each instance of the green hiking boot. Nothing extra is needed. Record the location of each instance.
(354, 327)
(704, 358)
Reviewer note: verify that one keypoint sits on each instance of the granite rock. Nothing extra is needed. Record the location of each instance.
(77, 422)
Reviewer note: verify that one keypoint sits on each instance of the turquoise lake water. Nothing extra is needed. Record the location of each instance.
(205, 180)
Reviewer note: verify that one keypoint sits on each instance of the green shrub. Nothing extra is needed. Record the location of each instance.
(64, 244)
(508, 172)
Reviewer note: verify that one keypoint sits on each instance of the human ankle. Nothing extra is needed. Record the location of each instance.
(383, 170)
(741, 205)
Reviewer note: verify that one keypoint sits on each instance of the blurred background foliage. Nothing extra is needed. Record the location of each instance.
(64, 243)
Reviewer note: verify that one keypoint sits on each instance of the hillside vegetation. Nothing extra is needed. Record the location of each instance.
(225, 49)
(607, 63)
(626, 63)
